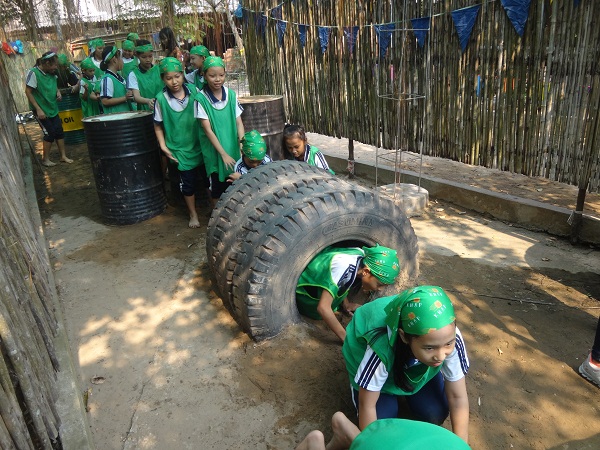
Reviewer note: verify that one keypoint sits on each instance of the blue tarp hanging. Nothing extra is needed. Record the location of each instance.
(238, 11)
(261, 24)
(384, 34)
(351, 33)
(281, 27)
(302, 34)
(276, 12)
(420, 28)
(517, 11)
(576, 3)
(324, 38)
(464, 20)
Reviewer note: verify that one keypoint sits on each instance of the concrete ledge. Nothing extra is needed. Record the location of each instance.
(527, 213)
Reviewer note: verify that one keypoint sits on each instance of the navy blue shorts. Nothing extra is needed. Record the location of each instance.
(52, 128)
(188, 180)
(217, 187)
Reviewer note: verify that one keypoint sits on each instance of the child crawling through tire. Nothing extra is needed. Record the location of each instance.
(324, 285)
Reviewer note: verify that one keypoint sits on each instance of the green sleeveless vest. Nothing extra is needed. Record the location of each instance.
(318, 274)
(366, 328)
(129, 67)
(224, 126)
(90, 107)
(150, 84)
(199, 81)
(407, 435)
(181, 131)
(119, 90)
(45, 93)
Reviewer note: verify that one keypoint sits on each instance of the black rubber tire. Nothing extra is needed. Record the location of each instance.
(282, 243)
(244, 202)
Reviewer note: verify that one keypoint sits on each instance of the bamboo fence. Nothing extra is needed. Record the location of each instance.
(521, 104)
(28, 361)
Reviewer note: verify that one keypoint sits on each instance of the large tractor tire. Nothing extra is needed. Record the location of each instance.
(287, 236)
(242, 204)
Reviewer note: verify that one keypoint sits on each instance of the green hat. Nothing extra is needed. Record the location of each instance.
(200, 50)
(133, 37)
(419, 311)
(212, 61)
(144, 48)
(382, 262)
(170, 64)
(127, 45)
(62, 59)
(95, 43)
(254, 146)
(87, 63)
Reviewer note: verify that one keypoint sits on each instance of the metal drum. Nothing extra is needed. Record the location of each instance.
(69, 111)
(266, 114)
(126, 164)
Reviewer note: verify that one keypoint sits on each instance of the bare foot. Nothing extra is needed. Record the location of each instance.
(194, 223)
(66, 160)
(48, 163)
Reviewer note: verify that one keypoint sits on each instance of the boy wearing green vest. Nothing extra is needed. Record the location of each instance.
(222, 129)
(324, 285)
(145, 80)
(89, 90)
(113, 90)
(408, 346)
(177, 130)
(42, 92)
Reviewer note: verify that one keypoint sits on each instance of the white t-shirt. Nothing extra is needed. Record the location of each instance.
(372, 374)
(132, 81)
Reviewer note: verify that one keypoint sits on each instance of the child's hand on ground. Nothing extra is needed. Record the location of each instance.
(228, 161)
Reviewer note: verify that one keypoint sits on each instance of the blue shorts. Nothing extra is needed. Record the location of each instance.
(52, 128)
(188, 180)
(217, 187)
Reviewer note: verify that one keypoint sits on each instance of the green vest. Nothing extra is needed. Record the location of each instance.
(98, 73)
(181, 131)
(318, 274)
(90, 107)
(224, 126)
(312, 151)
(45, 93)
(119, 90)
(199, 80)
(406, 435)
(368, 327)
(129, 67)
(150, 84)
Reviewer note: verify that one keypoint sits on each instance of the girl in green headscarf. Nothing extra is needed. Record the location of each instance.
(89, 91)
(254, 154)
(324, 285)
(145, 81)
(130, 61)
(96, 47)
(113, 90)
(198, 54)
(408, 346)
(221, 123)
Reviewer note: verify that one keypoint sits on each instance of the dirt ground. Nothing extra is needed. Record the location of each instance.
(165, 366)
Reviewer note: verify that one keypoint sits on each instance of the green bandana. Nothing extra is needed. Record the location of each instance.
(170, 64)
(212, 61)
(133, 37)
(200, 50)
(62, 59)
(111, 54)
(127, 45)
(254, 146)
(382, 262)
(144, 48)
(87, 63)
(420, 311)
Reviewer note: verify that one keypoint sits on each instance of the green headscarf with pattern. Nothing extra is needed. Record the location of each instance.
(212, 61)
(144, 48)
(62, 59)
(87, 63)
(382, 262)
(170, 64)
(200, 50)
(133, 37)
(419, 311)
(254, 146)
(127, 45)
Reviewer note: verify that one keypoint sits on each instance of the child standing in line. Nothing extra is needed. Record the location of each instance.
(254, 154)
(177, 132)
(222, 129)
(408, 346)
(113, 91)
(197, 56)
(96, 49)
(89, 90)
(324, 285)
(145, 80)
(295, 142)
(130, 62)
(42, 92)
